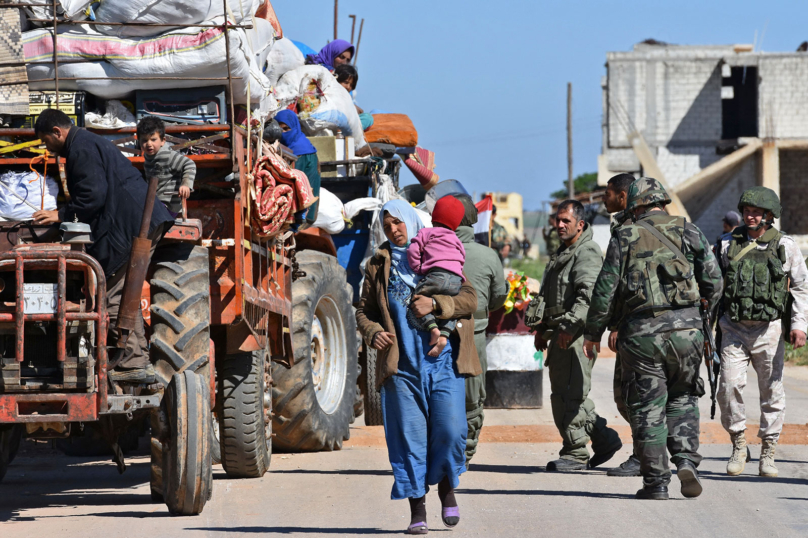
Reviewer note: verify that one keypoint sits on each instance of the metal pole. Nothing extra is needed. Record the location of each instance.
(570, 182)
(230, 87)
(358, 40)
(55, 56)
(336, 16)
(353, 26)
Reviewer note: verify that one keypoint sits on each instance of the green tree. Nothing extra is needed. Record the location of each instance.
(583, 183)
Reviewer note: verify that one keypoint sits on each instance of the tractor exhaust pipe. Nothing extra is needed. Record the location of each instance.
(136, 271)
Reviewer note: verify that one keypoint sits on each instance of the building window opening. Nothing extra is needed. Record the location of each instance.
(739, 102)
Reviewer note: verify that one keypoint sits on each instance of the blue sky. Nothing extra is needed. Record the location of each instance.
(485, 82)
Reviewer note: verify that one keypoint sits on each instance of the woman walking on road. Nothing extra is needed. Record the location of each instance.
(423, 397)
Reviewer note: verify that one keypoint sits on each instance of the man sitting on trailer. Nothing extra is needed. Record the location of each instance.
(107, 192)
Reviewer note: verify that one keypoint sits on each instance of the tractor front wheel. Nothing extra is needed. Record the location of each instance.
(187, 471)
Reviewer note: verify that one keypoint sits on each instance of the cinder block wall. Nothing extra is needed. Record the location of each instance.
(745, 177)
(783, 95)
(793, 190)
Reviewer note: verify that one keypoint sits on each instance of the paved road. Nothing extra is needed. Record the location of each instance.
(346, 493)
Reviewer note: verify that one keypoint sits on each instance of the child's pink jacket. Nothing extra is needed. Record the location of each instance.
(436, 248)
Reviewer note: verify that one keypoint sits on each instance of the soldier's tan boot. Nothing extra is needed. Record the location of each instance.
(740, 454)
(767, 466)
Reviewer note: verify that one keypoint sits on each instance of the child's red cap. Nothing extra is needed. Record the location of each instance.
(448, 211)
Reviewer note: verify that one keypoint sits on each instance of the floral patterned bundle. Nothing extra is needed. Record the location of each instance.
(278, 192)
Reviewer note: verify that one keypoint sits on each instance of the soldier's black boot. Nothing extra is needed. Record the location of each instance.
(689, 477)
(563, 465)
(599, 458)
(630, 467)
(656, 493)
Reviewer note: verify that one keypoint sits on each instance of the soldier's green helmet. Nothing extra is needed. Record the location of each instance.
(646, 191)
(761, 197)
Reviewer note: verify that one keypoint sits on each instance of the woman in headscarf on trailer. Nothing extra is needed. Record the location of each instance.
(307, 162)
(333, 55)
(423, 397)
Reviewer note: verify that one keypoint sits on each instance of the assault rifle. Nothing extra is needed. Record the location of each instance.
(711, 358)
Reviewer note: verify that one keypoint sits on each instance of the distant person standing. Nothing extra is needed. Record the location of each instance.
(525, 247)
(566, 289)
(761, 267)
(551, 240)
(499, 237)
(730, 221)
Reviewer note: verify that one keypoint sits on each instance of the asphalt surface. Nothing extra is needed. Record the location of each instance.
(346, 493)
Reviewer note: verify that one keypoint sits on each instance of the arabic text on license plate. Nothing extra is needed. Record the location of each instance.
(40, 298)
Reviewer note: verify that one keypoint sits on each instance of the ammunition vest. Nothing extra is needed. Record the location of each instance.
(755, 284)
(658, 276)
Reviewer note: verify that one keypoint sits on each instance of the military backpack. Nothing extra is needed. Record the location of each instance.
(658, 275)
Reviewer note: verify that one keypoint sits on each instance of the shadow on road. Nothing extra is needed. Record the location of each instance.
(755, 459)
(752, 478)
(293, 530)
(504, 469)
(357, 472)
(33, 484)
(547, 493)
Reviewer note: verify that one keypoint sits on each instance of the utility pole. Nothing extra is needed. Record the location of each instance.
(353, 26)
(358, 40)
(570, 182)
(336, 15)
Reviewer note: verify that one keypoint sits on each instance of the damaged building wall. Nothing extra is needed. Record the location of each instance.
(793, 187)
(687, 101)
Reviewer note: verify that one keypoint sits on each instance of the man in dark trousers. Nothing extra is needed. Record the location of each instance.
(109, 194)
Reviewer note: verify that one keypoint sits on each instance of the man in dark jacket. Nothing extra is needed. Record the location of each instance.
(109, 194)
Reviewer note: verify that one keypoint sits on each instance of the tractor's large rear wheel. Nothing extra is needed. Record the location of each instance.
(180, 322)
(187, 471)
(245, 427)
(10, 437)
(314, 399)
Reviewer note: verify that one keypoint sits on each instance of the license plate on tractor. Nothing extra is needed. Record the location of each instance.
(40, 298)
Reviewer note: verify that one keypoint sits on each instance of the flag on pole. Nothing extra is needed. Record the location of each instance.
(482, 229)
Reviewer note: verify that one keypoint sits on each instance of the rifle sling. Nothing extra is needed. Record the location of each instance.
(745, 250)
(662, 239)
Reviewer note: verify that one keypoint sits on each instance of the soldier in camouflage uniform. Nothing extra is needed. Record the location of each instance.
(656, 270)
(761, 266)
(566, 288)
(499, 237)
(551, 240)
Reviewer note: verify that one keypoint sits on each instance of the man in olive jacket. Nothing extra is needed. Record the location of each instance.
(484, 270)
(566, 288)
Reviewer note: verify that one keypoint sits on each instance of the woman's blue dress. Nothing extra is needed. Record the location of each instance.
(424, 407)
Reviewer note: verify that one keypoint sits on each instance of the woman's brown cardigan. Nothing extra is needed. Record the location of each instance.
(373, 316)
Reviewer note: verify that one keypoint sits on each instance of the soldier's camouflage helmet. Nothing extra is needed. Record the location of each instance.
(761, 197)
(646, 191)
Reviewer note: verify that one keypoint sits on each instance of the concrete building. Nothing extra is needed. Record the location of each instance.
(711, 121)
(509, 212)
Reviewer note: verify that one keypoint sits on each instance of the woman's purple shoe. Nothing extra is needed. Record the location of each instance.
(450, 516)
(418, 528)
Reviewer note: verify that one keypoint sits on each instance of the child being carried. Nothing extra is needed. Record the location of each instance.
(438, 255)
